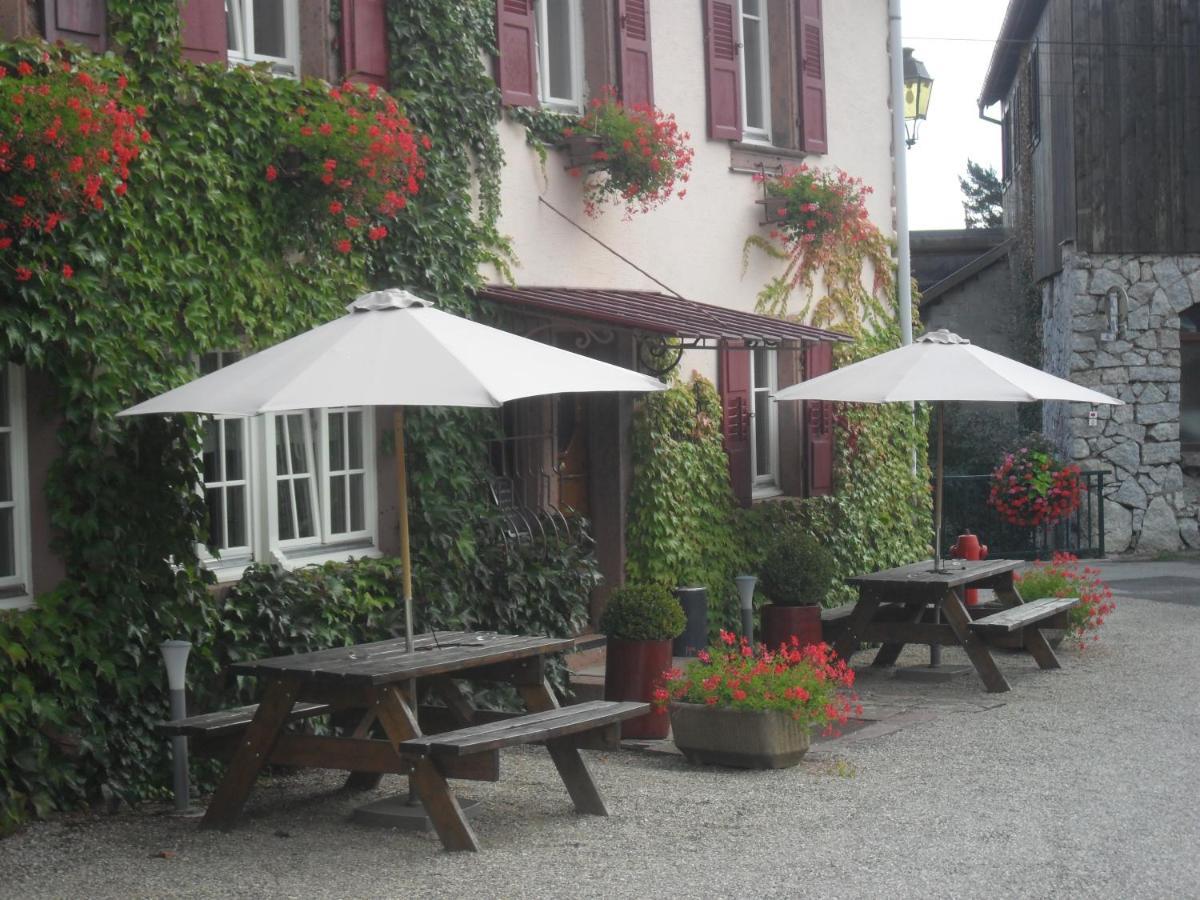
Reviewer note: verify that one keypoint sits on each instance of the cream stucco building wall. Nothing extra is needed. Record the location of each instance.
(694, 245)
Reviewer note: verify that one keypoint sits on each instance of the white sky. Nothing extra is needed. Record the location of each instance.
(936, 29)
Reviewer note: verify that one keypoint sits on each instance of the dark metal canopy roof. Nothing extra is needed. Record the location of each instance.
(1020, 21)
(655, 313)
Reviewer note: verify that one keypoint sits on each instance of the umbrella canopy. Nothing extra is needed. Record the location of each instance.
(394, 349)
(940, 366)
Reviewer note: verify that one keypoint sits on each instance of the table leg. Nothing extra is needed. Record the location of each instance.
(890, 652)
(252, 754)
(960, 620)
(1039, 648)
(363, 781)
(571, 768)
(400, 723)
(1006, 592)
(864, 612)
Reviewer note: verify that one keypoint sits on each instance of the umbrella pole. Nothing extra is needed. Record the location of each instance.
(402, 510)
(937, 496)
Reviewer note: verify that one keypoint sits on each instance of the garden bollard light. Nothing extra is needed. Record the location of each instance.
(175, 655)
(745, 587)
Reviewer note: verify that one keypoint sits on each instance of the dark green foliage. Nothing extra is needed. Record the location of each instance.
(984, 203)
(643, 612)
(797, 570)
(198, 257)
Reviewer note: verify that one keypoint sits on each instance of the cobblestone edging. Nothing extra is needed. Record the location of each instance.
(1147, 507)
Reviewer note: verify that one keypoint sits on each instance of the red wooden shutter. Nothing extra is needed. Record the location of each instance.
(814, 136)
(203, 31)
(81, 21)
(818, 422)
(516, 39)
(633, 51)
(734, 366)
(724, 81)
(364, 41)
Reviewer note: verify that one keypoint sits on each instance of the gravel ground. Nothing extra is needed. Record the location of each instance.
(1078, 783)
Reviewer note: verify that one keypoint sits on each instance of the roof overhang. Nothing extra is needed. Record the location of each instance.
(649, 312)
(1020, 21)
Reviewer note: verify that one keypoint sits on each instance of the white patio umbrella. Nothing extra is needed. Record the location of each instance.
(940, 366)
(394, 349)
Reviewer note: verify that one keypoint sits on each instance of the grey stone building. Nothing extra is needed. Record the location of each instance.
(1101, 164)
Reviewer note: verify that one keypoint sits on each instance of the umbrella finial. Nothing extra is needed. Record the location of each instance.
(941, 336)
(391, 298)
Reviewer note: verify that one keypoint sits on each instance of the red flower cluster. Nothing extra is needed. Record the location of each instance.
(1029, 488)
(359, 158)
(643, 155)
(1062, 577)
(66, 145)
(805, 682)
(816, 212)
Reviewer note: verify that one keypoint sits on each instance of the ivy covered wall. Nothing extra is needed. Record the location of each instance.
(206, 251)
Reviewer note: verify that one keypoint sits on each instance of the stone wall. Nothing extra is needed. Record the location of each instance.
(1146, 509)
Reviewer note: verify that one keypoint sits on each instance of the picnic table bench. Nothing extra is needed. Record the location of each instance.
(372, 684)
(915, 604)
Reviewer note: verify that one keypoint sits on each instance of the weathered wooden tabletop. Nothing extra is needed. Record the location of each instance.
(959, 572)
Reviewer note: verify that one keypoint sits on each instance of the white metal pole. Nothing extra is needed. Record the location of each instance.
(899, 152)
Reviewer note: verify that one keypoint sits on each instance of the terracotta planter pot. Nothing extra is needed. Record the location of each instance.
(742, 738)
(631, 670)
(779, 623)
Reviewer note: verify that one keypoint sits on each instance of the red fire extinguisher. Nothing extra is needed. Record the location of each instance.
(968, 547)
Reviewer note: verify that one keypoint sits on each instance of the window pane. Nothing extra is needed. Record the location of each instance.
(6, 492)
(297, 452)
(234, 466)
(216, 513)
(233, 25)
(761, 377)
(753, 61)
(283, 494)
(304, 508)
(269, 36)
(356, 442)
(558, 49)
(337, 504)
(762, 433)
(751, 8)
(211, 455)
(8, 549)
(357, 514)
(236, 525)
(337, 441)
(281, 458)
(1189, 392)
(4, 419)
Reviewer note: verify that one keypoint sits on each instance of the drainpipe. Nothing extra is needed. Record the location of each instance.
(899, 153)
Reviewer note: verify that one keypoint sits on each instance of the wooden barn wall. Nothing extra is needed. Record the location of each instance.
(1137, 125)
(1053, 154)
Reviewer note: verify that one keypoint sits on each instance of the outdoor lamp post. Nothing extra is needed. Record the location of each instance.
(175, 655)
(745, 589)
(917, 87)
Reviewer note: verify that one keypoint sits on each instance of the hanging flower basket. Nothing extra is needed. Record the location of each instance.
(1030, 488)
(580, 150)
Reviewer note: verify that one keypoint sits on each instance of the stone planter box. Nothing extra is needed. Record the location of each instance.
(741, 738)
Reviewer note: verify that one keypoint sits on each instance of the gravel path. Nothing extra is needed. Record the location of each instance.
(1078, 783)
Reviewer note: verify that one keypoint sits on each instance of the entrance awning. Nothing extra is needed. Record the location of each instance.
(695, 324)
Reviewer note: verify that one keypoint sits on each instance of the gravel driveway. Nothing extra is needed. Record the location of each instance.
(1078, 783)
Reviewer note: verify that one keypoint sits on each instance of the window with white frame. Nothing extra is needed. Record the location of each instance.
(756, 78)
(14, 491)
(560, 53)
(764, 436)
(296, 487)
(264, 31)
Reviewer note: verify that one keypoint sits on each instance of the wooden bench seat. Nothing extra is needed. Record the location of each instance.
(230, 721)
(549, 725)
(1027, 614)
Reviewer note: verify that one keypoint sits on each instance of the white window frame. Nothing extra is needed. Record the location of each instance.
(234, 558)
(573, 103)
(765, 484)
(16, 591)
(328, 474)
(240, 18)
(756, 135)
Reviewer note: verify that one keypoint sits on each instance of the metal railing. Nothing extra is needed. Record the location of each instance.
(966, 508)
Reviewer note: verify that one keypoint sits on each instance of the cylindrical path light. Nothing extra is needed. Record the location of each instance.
(175, 655)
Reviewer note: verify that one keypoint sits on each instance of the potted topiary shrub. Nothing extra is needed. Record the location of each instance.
(755, 709)
(796, 577)
(640, 620)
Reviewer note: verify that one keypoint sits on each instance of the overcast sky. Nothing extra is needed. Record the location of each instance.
(954, 39)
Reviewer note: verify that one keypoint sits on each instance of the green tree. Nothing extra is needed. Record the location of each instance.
(984, 206)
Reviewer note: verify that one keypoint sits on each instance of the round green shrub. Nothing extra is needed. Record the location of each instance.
(797, 571)
(643, 612)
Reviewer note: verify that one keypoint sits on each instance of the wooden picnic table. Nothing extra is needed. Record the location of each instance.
(915, 604)
(371, 683)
